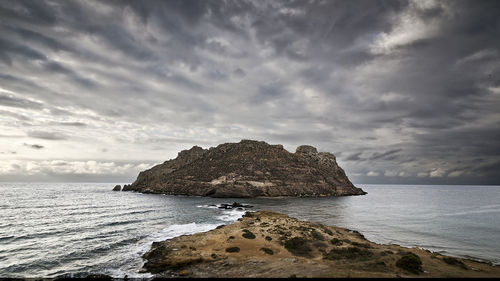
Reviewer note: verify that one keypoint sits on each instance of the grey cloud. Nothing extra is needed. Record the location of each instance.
(47, 135)
(12, 101)
(39, 13)
(34, 146)
(10, 136)
(272, 91)
(9, 51)
(385, 155)
(354, 157)
(216, 71)
(20, 117)
(71, 124)
(239, 72)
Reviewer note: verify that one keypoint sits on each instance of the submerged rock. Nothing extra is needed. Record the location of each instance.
(247, 169)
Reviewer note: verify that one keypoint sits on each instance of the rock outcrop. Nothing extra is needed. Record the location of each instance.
(117, 188)
(247, 169)
(266, 244)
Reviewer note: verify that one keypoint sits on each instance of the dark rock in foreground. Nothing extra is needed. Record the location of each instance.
(247, 169)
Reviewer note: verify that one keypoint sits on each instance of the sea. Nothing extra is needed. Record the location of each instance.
(51, 230)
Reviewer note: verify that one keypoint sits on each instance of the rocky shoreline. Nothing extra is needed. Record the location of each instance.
(270, 244)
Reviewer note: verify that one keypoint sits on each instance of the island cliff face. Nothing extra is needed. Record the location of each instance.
(247, 169)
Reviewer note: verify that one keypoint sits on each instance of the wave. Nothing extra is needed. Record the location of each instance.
(208, 206)
(113, 223)
(143, 245)
(231, 215)
(181, 229)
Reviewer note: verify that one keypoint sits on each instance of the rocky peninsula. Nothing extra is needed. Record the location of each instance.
(247, 169)
(269, 244)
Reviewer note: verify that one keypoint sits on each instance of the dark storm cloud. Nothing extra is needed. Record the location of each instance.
(385, 155)
(388, 155)
(354, 157)
(402, 88)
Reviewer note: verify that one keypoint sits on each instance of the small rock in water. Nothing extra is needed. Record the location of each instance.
(235, 205)
(117, 188)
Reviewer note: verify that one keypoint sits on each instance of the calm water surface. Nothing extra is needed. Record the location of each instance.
(73, 229)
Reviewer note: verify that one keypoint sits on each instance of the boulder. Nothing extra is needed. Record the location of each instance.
(117, 188)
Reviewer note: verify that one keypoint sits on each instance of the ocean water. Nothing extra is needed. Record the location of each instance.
(75, 229)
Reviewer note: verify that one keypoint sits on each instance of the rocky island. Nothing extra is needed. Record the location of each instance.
(247, 169)
(269, 244)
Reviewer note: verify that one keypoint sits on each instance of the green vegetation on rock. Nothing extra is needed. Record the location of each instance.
(410, 262)
(248, 234)
(298, 246)
(336, 242)
(316, 235)
(455, 262)
(362, 245)
(348, 253)
(267, 251)
(233, 249)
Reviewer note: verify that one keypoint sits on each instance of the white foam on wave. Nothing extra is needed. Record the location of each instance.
(181, 229)
(142, 246)
(207, 206)
(136, 262)
(231, 215)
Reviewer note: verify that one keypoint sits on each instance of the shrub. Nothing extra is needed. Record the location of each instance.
(455, 262)
(298, 246)
(268, 238)
(233, 249)
(327, 231)
(336, 242)
(316, 235)
(267, 251)
(363, 245)
(320, 244)
(411, 263)
(348, 253)
(248, 234)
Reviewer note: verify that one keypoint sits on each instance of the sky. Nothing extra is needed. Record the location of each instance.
(402, 92)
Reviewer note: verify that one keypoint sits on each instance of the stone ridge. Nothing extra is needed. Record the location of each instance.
(247, 169)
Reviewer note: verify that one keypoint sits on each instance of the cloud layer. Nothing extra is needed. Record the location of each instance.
(401, 91)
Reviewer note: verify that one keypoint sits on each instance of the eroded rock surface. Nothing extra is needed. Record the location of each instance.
(247, 169)
(272, 245)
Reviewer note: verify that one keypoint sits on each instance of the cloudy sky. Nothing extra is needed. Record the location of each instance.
(400, 91)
